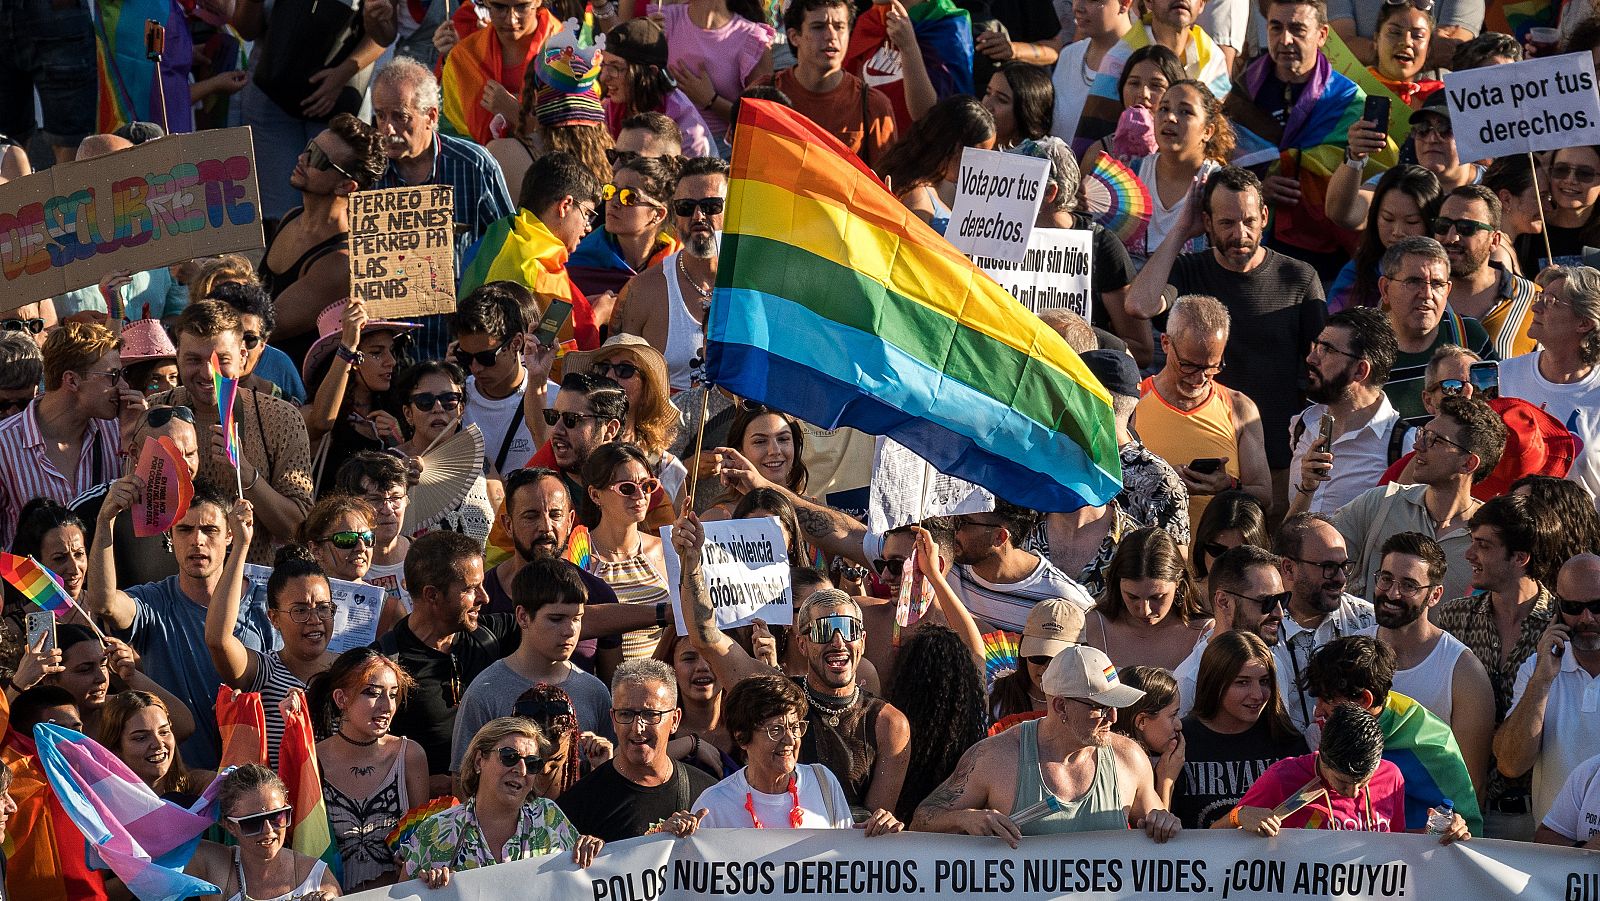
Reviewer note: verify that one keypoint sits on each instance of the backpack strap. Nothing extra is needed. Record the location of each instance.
(818, 773)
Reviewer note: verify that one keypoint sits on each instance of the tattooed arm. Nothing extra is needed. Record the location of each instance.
(727, 659)
(830, 531)
(961, 804)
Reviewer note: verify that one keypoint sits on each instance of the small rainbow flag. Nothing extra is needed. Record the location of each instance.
(226, 390)
(311, 833)
(36, 583)
(414, 817)
(578, 547)
(999, 655)
(1110, 672)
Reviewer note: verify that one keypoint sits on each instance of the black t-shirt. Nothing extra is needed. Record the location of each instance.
(1277, 310)
(606, 805)
(1218, 769)
(1113, 268)
(428, 716)
(599, 593)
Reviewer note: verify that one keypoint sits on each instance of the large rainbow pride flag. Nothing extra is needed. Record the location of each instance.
(837, 304)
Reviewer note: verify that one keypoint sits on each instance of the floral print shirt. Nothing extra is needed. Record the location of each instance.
(452, 838)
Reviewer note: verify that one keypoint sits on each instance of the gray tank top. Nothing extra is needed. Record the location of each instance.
(1098, 809)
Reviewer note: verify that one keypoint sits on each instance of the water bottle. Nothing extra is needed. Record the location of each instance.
(1440, 818)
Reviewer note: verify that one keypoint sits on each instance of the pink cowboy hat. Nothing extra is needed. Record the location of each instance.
(146, 339)
(330, 324)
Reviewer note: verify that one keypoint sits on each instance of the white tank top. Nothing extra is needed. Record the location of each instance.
(685, 338)
(1429, 682)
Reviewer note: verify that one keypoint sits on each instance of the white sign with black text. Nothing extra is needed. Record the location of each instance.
(1542, 104)
(746, 566)
(907, 489)
(997, 201)
(356, 608)
(1056, 271)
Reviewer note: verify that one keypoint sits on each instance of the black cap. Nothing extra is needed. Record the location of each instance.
(1115, 370)
(138, 132)
(1436, 105)
(639, 41)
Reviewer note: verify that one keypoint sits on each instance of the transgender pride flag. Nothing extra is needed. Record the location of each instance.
(144, 840)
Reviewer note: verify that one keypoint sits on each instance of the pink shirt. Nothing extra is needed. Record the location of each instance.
(729, 54)
(1378, 807)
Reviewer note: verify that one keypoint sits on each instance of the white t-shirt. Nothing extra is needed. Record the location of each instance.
(391, 577)
(1072, 79)
(496, 418)
(724, 802)
(1576, 811)
(1227, 21)
(1571, 727)
(1577, 406)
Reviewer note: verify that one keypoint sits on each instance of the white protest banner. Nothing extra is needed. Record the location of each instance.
(1055, 272)
(1204, 865)
(164, 201)
(746, 565)
(402, 250)
(997, 200)
(907, 489)
(1542, 104)
(356, 608)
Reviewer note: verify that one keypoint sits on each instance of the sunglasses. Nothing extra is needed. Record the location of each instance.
(619, 158)
(546, 710)
(1040, 659)
(646, 487)
(1267, 602)
(626, 197)
(256, 823)
(345, 541)
(823, 628)
(156, 417)
(1432, 129)
(1576, 608)
(1583, 175)
(614, 371)
(251, 340)
(1451, 387)
(317, 158)
(884, 566)
(1214, 549)
(426, 401)
(1466, 228)
(1427, 439)
(1101, 711)
(484, 358)
(509, 758)
(31, 326)
(711, 206)
(570, 418)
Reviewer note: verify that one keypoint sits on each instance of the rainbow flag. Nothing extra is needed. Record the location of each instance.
(414, 817)
(838, 305)
(242, 723)
(144, 840)
(944, 37)
(473, 62)
(1425, 750)
(36, 583)
(522, 249)
(311, 834)
(226, 390)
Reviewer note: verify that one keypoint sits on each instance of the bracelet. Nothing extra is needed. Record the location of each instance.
(661, 614)
(253, 480)
(712, 102)
(1304, 490)
(695, 751)
(1354, 163)
(1233, 818)
(349, 355)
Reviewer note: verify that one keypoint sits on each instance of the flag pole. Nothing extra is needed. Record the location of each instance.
(1544, 227)
(699, 444)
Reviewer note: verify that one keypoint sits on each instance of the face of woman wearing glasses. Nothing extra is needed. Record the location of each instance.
(304, 598)
(349, 564)
(1574, 181)
(427, 424)
(642, 218)
(266, 839)
(617, 507)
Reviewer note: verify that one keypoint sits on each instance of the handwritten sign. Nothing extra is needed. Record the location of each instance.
(997, 201)
(168, 487)
(1055, 272)
(1542, 104)
(907, 489)
(162, 202)
(746, 566)
(402, 250)
(356, 608)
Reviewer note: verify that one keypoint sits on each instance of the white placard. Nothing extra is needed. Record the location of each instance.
(1542, 104)
(1056, 271)
(997, 201)
(907, 489)
(746, 565)
(356, 609)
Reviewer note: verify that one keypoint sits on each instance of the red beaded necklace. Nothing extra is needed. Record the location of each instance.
(796, 815)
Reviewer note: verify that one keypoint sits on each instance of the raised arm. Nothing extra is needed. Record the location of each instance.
(1517, 743)
(234, 662)
(831, 531)
(956, 615)
(322, 414)
(727, 659)
(101, 595)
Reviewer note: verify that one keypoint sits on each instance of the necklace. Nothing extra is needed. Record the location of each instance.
(359, 744)
(1084, 71)
(705, 293)
(796, 814)
(831, 708)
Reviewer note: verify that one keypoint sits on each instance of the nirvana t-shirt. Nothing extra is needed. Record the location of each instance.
(1218, 769)
(606, 805)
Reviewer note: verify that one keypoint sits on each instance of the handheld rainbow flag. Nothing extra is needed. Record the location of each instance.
(413, 818)
(310, 833)
(838, 305)
(578, 547)
(226, 391)
(36, 583)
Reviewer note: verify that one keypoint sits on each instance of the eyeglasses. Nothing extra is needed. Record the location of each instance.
(156, 417)
(632, 488)
(257, 823)
(1406, 588)
(484, 358)
(1188, 368)
(119, 374)
(616, 371)
(568, 417)
(553, 711)
(426, 401)
(392, 501)
(626, 197)
(1329, 567)
(1101, 711)
(1448, 387)
(1546, 299)
(1267, 602)
(346, 541)
(777, 731)
(31, 326)
(509, 758)
(1440, 130)
(1327, 348)
(1424, 5)
(304, 613)
(884, 566)
(317, 158)
(822, 629)
(1583, 175)
(627, 716)
(1427, 439)
(1576, 608)
(1418, 283)
(711, 206)
(1466, 228)
(252, 340)
(591, 214)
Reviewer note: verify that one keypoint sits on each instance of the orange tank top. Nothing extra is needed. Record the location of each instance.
(1179, 437)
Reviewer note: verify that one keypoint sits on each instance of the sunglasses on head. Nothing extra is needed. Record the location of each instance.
(345, 541)
(645, 486)
(509, 759)
(1576, 608)
(31, 326)
(317, 158)
(256, 823)
(711, 206)
(484, 358)
(823, 628)
(426, 400)
(570, 418)
(156, 417)
(545, 710)
(615, 371)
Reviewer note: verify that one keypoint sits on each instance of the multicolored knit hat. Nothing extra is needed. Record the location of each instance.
(568, 81)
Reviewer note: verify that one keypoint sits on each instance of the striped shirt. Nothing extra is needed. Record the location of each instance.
(1006, 605)
(26, 471)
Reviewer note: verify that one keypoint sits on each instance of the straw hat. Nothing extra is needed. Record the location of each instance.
(639, 350)
(146, 339)
(330, 325)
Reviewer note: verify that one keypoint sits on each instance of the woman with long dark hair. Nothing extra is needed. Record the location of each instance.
(1145, 77)
(769, 441)
(1402, 205)
(1151, 611)
(1231, 519)
(923, 165)
(939, 689)
(1153, 722)
(353, 365)
(432, 398)
(1021, 98)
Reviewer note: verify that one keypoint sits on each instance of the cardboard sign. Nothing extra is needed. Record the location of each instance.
(1542, 104)
(402, 250)
(746, 565)
(168, 487)
(997, 201)
(1055, 272)
(356, 609)
(907, 489)
(162, 202)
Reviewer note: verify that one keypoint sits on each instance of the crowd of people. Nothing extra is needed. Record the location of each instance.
(1354, 563)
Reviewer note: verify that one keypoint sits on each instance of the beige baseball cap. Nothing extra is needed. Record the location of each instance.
(1052, 625)
(1080, 671)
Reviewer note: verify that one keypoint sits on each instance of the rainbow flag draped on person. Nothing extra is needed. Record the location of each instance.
(144, 840)
(837, 304)
(522, 249)
(471, 65)
(1425, 750)
(944, 37)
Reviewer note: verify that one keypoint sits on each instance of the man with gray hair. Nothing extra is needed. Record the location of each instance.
(642, 788)
(21, 367)
(1415, 286)
(1211, 434)
(405, 110)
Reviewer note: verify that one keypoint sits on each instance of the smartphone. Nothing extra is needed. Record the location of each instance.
(42, 622)
(1485, 378)
(1327, 432)
(1206, 465)
(155, 39)
(1377, 111)
(554, 318)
